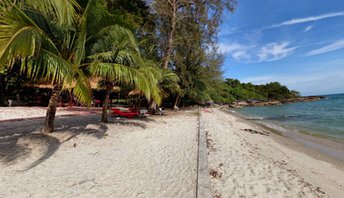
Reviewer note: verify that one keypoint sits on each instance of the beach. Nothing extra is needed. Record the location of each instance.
(22, 113)
(153, 157)
(267, 164)
(157, 157)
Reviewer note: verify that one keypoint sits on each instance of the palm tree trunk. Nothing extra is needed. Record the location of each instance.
(106, 103)
(2, 90)
(51, 111)
(179, 101)
(70, 99)
(152, 106)
(176, 103)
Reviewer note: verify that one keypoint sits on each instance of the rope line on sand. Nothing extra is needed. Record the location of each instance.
(203, 182)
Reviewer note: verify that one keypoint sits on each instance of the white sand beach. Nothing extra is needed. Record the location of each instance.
(156, 157)
(256, 165)
(83, 158)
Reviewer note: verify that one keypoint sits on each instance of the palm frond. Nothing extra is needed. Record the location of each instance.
(82, 36)
(14, 20)
(112, 38)
(112, 72)
(65, 11)
(141, 78)
(99, 20)
(24, 43)
(50, 67)
(82, 89)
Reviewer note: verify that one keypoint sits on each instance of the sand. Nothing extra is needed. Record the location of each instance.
(256, 165)
(19, 113)
(157, 157)
(154, 157)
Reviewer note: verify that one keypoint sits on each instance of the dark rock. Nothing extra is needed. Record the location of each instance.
(259, 103)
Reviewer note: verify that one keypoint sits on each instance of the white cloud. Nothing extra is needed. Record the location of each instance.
(328, 48)
(237, 51)
(274, 51)
(227, 48)
(307, 19)
(226, 30)
(308, 28)
(240, 55)
(256, 54)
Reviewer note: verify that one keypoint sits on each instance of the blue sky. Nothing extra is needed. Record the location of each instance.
(298, 43)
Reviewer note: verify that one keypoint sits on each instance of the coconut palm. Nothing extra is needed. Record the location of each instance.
(168, 85)
(119, 72)
(113, 55)
(41, 36)
(56, 40)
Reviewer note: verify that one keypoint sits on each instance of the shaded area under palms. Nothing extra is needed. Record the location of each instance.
(17, 140)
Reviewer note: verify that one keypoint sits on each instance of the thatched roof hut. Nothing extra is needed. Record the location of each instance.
(135, 92)
(94, 84)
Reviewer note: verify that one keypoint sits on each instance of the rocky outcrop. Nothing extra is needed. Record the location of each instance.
(259, 103)
(304, 99)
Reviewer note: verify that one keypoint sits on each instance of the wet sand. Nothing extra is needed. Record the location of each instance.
(327, 148)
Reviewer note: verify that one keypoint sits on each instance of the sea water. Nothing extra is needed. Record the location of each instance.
(324, 118)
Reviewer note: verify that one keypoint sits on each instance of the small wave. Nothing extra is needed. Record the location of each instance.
(255, 118)
(292, 118)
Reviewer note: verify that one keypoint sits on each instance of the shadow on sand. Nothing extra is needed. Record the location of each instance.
(19, 139)
(137, 122)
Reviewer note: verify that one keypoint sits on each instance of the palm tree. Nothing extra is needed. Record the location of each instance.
(121, 71)
(43, 37)
(112, 54)
(168, 85)
(56, 40)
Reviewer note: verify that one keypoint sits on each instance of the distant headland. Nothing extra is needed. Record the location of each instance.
(237, 94)
(258, 103)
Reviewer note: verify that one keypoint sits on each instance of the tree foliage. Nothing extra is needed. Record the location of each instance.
(61, 41)
(187, 34)
(232, 90)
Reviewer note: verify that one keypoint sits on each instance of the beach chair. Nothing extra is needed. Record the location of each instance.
(124, 113)
(143, 113)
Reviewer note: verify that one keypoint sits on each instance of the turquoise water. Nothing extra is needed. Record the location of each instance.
(324, 117)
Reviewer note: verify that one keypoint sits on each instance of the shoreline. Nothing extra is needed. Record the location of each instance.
(246, 158)
(274, 102)
(295, 130)
(323, 148)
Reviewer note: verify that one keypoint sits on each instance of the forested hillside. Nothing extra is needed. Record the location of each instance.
(233, 90)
